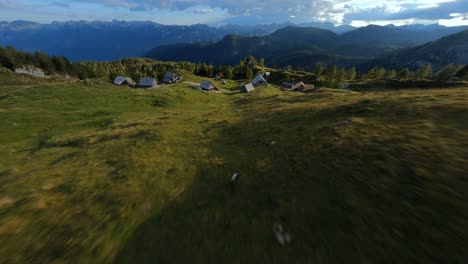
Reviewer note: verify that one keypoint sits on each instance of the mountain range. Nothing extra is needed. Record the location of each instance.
(305, 47)
(452, 49)
(102, 41)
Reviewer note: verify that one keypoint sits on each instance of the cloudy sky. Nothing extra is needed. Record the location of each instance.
(185, 12)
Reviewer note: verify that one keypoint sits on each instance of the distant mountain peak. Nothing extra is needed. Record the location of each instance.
(449, 49)
(297, 29)
(112, 40)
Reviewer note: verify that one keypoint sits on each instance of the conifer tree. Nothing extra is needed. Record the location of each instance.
(424, 71)
(351, 74)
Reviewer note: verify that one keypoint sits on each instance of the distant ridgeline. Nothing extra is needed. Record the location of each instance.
(307, 48)
(247, 68)
(110, 41)
(106, 41)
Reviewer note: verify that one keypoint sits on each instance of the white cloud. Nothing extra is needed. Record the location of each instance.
(259, 11)
(8, 4)
(337, 11)
(427, 6)
(202, 11)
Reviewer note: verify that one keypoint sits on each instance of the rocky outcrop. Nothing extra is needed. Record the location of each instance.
(31, 70)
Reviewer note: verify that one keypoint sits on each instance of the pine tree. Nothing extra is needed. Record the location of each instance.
(424, 71)
(320, 70)
(249, 74)
(251, 61)
(229, 73)
(17, 56)
(44, 61)
(371, 73)
(210, 71)
(463, 73)
(261, 62)
(391, 74)
(6, 59)
(60, 64)
(380, 73)
(239, 72)
(351, 74)
(340, 77)
(404, 73)
(447, 73)
(331, 76)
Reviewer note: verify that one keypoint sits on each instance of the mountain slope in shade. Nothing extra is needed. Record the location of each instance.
(450, 49)
(377, 40)
(98, 40)
(327, 25)
(304, 47)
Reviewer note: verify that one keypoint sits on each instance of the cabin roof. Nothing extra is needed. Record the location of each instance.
(259, 79)
(147, 81)
(169, 75)
(121, 79)
(206, 85)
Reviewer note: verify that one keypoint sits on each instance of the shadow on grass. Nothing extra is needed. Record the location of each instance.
(345, 194)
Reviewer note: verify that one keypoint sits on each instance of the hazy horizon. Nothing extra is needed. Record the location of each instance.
(241, 12)
(224, 24)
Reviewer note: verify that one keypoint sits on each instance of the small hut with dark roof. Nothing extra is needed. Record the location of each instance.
(170, 77)
(120, 80)
(259, 80)
(147, 83)
(208, 86)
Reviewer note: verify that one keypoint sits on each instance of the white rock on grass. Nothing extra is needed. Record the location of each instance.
(281, 235)
(234, 177)
(278, 229)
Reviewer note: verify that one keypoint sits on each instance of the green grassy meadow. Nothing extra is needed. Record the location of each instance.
(96, 173)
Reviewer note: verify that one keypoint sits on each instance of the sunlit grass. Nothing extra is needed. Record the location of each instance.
(100, 173)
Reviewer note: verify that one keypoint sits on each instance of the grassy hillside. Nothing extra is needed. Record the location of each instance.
(91, 172)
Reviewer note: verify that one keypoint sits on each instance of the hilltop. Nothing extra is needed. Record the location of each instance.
(92, 172)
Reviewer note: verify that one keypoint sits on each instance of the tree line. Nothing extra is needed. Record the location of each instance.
(143, 67)
(247, 68)
(335, 77)
(12, 59)
(135, 68)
